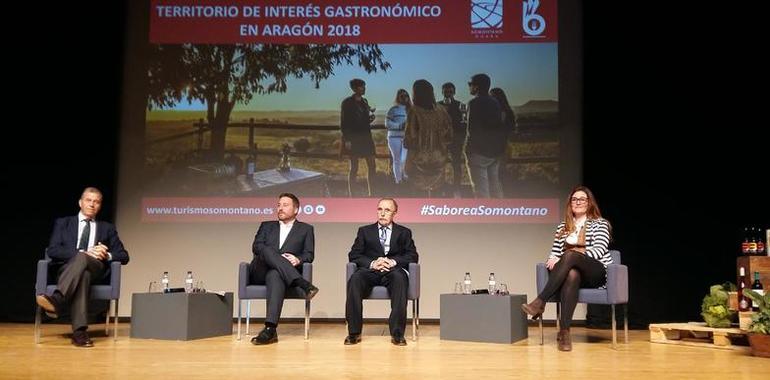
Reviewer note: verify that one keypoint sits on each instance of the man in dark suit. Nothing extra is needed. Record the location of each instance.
(487, 139)
(280, 247)
(382, 252)
(82, 248)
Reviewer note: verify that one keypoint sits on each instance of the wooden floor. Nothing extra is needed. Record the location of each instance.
(324, 356)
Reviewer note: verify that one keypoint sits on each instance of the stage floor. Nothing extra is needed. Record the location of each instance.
(324, 356)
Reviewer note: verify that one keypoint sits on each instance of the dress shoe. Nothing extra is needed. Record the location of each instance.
(310, 289)
(534, 308)
(564, 341)
(310, 292)
(48, 304)
(352, 339)
(398, 340)
(268, 335)
(80, 339)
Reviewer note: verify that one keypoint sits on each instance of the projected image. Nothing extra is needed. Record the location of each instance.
(254, 120)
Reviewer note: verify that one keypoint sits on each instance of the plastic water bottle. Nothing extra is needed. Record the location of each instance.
(467, 283)
(164, 281)
(188, 282)
(492, 283)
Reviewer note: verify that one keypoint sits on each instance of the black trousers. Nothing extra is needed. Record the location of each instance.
(360, 286)
(74, 283)
(274, 271)
(574, 271)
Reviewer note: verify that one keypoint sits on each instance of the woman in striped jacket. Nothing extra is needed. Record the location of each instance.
(579, 258)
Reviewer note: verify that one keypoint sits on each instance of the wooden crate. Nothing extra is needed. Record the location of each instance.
(697, 334)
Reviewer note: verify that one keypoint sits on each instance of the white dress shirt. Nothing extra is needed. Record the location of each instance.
(386, 244)
(82, 226)
(285, 229)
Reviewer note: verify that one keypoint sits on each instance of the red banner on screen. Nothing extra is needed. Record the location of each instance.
(360, 210)
(355, 22)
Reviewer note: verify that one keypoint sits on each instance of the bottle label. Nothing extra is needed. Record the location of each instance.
(761, 292)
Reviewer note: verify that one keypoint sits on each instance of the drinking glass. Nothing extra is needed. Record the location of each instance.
(154, 287)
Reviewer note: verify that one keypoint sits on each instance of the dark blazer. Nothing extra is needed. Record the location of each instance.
(355, 126)
(64, 240)
(487, 135)
(367, 248)
(300, 242)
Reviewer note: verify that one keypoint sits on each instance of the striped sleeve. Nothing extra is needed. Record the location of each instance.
(557, 249)
(598, 247)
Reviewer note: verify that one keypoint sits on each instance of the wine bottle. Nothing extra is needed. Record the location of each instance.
(744, 303)
(757, 288)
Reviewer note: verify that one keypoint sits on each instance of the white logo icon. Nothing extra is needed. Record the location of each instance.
(310, 210)
(487, 14)
(532, 23)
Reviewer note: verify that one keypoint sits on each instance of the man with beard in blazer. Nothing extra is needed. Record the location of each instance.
(382, 252)
(280, 247)
(82, 249)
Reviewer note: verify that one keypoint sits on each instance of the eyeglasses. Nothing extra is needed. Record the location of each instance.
(385, 210)
(578, 200)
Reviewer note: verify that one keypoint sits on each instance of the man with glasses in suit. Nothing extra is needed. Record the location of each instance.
(382, 252)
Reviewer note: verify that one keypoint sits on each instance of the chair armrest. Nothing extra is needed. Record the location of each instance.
(307, 272)
(115, 279)
(41, 282)
(542, 276)
(617, 284)
(243, 278)
(349, 269)
(414, 281)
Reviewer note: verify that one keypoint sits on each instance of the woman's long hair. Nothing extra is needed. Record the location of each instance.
(423, 94)
(499, 95)
(592, 210)
(398, 95)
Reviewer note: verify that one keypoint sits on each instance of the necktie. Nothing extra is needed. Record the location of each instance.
(83, 244)
(383, 235)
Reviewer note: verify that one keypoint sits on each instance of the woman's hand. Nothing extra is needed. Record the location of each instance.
(551, 262)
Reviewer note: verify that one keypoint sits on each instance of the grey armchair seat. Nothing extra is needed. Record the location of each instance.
(109, 291)
(248, 292)
(615, 293)
(412, 293)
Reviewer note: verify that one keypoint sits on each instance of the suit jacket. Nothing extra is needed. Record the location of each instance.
(64, 240)
(367, 248)
(300, 242)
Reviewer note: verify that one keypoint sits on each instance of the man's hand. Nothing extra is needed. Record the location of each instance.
(379, 265)
(383, 264)
(389, 263)
(99, 252)
(292, 259)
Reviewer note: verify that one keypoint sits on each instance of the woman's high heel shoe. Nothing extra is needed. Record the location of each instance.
(534, 308)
